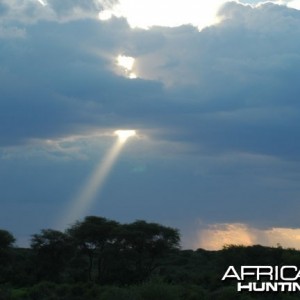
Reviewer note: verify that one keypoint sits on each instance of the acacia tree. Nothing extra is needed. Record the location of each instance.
(93, 236)
(6, 239)
(52, 249)
(145, 243)
(6, 242)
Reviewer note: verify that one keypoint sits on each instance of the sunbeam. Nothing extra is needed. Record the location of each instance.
(83, 202)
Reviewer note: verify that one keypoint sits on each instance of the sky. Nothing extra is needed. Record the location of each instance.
(210, 88)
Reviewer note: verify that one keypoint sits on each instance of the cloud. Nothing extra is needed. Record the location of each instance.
(220, 235)
(32, 11)
(53, 86)
(235, 54)
(217, 236)
(294, 4)
(228, 88)
(243, 72)
(146, 14)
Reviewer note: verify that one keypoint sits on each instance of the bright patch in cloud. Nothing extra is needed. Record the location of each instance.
(126, 63)
(218, 235)
(42, 2)
(105, 15)
(123, 135)
(145, 13)
(294, 4)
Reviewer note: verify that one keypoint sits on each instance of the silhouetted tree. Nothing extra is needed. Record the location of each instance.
(145, 243)
(93, 236)
(52, 251)
(6, 239)
(6, 254)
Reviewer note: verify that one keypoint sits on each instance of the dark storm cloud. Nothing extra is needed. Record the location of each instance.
(52, 86)
(239, 90)
(20, 12)
(66, 6)
(3, 8)
(230, 87)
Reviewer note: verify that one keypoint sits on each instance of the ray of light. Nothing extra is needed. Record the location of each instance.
(83, 202)
(42, 2)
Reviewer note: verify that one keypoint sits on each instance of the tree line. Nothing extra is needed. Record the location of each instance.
(102, 259)
(93, 250)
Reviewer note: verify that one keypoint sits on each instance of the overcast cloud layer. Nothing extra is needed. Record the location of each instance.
(216, 109)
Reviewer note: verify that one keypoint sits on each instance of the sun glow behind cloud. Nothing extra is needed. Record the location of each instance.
(124, 135)
(42, 2)
(294, 4)
(145, 14)
(126, 63)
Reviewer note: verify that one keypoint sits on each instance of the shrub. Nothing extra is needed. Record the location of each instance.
(193, 292)
(116, 293)
(19, 294)
(43, 291)
(158, 291)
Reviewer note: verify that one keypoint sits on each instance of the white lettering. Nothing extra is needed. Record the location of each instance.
(247, 287)
(271, 286)
(265, 278)
(244, 273)
(296, 286)
(234, 275)
(276, 273)
(261, 273)
(282, 277)
(298, 275)
(256, 288)
(285, 284)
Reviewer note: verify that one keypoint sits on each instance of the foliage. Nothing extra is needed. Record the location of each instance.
(6, 243)
(52, 250)
(101, 259)
(117, 293)
(158, 291)
(92, 236)
(144, 244)
(6, 239)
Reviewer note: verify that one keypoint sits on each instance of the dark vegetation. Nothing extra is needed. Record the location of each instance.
(100, 259)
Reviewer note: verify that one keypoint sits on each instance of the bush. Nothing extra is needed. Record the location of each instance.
(158, 291)
(43, 291)
(193, 292)
(116, 293)
(5, 292)
(19, 294)
(226, 293)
